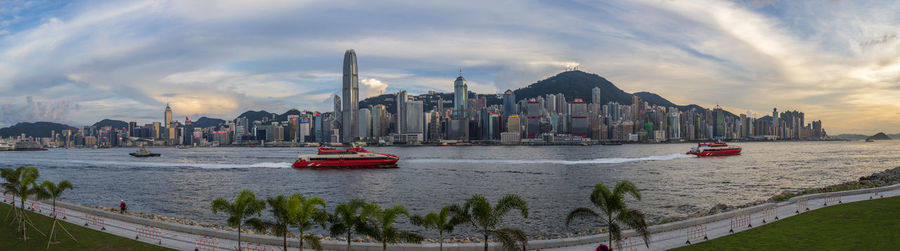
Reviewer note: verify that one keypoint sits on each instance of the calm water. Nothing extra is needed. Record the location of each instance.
(553, 180)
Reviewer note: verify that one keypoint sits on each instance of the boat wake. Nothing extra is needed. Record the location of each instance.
(553, 161)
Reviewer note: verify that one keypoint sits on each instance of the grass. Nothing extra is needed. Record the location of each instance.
(834, 188)
(88, 239)
(864, 225)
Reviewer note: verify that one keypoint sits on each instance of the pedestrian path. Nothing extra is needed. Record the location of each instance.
(711, 227)
(665, 236)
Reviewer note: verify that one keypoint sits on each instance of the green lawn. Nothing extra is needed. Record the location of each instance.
(88, 239)
(864, 225)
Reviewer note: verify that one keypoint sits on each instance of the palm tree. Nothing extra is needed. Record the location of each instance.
(614, 212)
(21, 182)
(486, 219)
(379, 224)
(305, 214)
(278, 207)
(345, 219)
(245, 205)
(443, 221)
(49, 190)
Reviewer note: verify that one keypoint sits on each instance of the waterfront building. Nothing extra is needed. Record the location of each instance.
(365, 121)
(379, 118)
(509, 103)
(402, 99)
(580, 123)
(533, 115)
(414, 118)
(459, 125)
(350, 97)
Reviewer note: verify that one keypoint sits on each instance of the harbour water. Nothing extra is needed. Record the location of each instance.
(552, 179)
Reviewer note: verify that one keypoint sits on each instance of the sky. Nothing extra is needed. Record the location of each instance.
(78, 62)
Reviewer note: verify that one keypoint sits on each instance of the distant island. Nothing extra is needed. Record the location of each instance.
(879, 136)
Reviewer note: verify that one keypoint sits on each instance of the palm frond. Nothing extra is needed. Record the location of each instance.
(635, 220)
(624, 187)
(509, 202)
(313, 241)
(582, 212)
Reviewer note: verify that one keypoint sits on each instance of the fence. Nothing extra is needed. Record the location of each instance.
(60, 211)
(876, 194)
(34, 205)
(149, 233)
(696, 232)
(801, 205)
(740, 221)
(627, 245)
(770, 213)
(832, 199)
(249, 246)
(90, 219)
(205, 243)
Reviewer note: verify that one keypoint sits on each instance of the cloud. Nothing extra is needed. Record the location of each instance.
(836, 60)
(33, 111)
(371, 87)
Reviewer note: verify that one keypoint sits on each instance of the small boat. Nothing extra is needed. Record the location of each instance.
(5, 146)
(714, 149)
(611, 143)
(354, 157)
(143, 153)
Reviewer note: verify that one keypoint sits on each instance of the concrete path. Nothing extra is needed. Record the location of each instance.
(665, 236)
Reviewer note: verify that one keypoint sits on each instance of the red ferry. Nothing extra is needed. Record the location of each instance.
(355, 157)
(714, 149)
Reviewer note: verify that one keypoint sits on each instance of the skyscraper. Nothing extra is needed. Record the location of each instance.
(350, 111)
(460, 97)
(167, 121)
(509, 103)
(365, 123)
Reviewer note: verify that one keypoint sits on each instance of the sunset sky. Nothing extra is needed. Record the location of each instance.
(78, 62)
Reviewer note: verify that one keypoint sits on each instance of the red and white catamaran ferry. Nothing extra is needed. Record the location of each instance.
(354, 157)
(714, 149)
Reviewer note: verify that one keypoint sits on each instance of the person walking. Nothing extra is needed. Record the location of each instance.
(122, 207)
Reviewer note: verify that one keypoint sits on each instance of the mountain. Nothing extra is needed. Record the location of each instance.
(116, 124)
(204, 122)
(36, 129)
(575, 84)
(851, 136)
(880, 136)
(256, 115)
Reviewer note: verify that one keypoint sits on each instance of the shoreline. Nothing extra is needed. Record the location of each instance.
(883, 178)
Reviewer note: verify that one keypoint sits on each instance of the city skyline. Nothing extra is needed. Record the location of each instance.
(82, 62)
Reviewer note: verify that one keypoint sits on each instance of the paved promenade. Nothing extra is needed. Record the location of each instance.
(665, 236)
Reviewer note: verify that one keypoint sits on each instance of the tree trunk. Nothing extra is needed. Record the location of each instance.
(485, 240)
(22, 222)
(441, 240)
(239, 237)
(384, 246)
(285, 239)
(348, 240)
(301, 238)
(608, 228)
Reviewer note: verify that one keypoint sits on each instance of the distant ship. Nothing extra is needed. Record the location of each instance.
(5, 146)
(28, 146)
(714, 149)
(355, 157)
(143, 153)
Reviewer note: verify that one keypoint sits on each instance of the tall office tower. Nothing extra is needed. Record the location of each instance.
(581, 125)
(719, 129)
(595, 95)
(513, 124)
(550, 103)
(293, 128)
(509, 103)
(379, 115)
(350, 111)
(460, 97)
(303, 130)
(318, 130)
(188, 135)
(365, 123)
(414, 117)
(533, 114)
(440, 107)
(167, 121)
(336, 113)
(402, 98)
(562, 106)
(459, 125)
